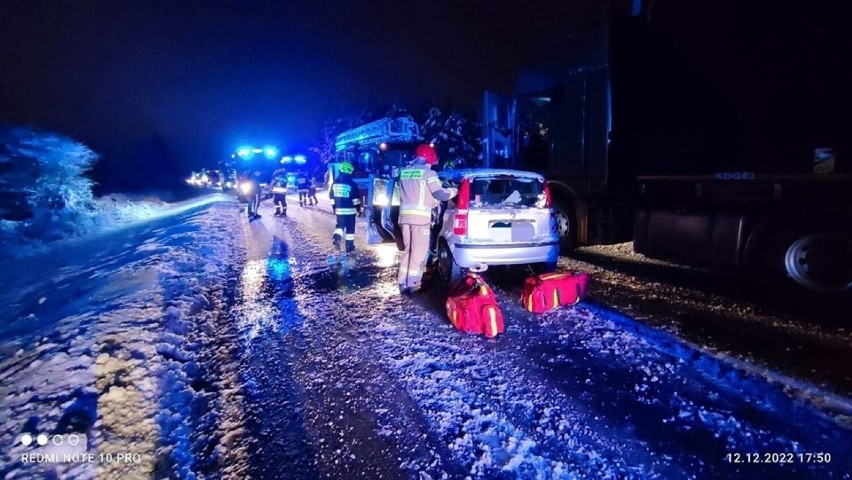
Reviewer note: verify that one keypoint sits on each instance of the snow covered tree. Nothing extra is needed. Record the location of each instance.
(324, 147)
(44, 191)
(456, 137)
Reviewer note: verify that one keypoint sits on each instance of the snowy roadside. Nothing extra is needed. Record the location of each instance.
(109, 214)
(107, 342)
(797, 337)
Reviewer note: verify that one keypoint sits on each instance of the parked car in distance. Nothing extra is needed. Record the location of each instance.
(500, 217)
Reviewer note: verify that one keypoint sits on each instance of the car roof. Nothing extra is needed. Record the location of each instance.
(487, 172)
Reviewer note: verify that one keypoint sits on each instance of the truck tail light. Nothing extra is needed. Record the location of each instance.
(462, 204)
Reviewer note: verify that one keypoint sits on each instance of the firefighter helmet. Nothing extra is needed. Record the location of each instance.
(427, 153)
(347, 167)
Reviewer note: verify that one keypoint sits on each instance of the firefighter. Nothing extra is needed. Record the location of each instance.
(342, 194)
(420, 191)
(302, 186)
(250, 189)
(279, 196)
(312, 191)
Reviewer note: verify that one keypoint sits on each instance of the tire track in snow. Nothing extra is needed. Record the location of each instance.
(380, 433)
(265, 347)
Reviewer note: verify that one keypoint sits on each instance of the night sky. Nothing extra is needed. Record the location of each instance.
(189, 81)
(204, 76)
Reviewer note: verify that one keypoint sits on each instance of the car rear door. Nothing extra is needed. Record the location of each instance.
(508, 209)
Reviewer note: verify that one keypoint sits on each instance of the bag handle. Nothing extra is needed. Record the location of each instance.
(465, 286)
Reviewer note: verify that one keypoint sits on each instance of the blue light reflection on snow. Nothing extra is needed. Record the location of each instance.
(278, 268)
(257, 312)
(266, 305)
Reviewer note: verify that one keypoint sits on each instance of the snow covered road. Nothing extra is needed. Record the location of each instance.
(213, 347)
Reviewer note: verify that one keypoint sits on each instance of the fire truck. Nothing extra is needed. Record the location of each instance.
(377, 150)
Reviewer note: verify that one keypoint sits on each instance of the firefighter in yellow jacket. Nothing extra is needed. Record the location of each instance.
(420, 191)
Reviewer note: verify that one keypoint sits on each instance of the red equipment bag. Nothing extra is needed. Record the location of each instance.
(552, 290)
(472, 307)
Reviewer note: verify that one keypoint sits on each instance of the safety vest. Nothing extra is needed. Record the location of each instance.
(417, 181)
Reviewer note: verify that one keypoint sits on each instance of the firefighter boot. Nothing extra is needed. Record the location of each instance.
(337, 238)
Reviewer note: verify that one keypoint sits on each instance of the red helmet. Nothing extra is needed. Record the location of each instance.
(427, 153)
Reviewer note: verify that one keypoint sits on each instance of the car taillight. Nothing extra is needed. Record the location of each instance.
(462, 203)
(548, 199)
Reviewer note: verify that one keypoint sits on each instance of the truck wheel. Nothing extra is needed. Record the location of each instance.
(566, 226)
(820, 262)
(448, 270)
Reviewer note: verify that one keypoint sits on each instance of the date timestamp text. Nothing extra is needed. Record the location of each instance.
(778, 457)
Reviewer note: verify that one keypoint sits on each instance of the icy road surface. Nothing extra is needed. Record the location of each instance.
(204, 346)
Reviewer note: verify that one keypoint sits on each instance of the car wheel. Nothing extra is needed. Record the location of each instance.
(566, 226)
(448, 270)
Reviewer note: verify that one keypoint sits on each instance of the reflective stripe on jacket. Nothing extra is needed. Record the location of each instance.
(343, 193)
(419, 192)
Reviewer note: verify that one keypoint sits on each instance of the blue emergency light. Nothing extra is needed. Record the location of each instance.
(247, 153)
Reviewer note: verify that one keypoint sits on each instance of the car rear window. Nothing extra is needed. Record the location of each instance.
(506, 191)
